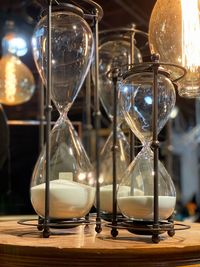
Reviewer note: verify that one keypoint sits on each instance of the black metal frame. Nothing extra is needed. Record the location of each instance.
(94, 14)
(97, 116)
(131, 134)
(155, 227)
(46, 232)
(114, 231)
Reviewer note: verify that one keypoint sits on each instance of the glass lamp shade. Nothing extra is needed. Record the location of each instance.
(113, 54)
(72, 50)
(174, 33)
(16, 81)
(136, 103)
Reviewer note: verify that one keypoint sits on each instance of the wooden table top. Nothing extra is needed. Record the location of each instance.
(81, 246)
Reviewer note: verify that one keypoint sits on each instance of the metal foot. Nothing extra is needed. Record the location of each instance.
(171, 233)
(98, 228)
(114, 232)
(156, 238)
(46, 233)
(40, 224)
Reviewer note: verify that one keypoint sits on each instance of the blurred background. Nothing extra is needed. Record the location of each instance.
(19, 124)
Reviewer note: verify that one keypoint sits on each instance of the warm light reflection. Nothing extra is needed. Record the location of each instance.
(174, 112)
(81, 176)
(122, 155)
(10, 81)
(190, 35)
(101, 179)
(16, 81)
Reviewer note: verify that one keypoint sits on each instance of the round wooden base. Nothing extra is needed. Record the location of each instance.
(23, 246)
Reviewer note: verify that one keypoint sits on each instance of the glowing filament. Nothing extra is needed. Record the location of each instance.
(190, 35)
(10, 81)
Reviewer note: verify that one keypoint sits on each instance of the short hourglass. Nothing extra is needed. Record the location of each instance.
(136, 101)
(71, 178)
(115, 52)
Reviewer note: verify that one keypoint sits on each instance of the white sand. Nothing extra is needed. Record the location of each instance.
(106, 196)
(67, 199)
(141, 207)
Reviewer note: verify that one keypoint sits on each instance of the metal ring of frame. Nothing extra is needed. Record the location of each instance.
(147, 67)
(122, 34)
(65, 7)
(78, 8)
(163, 227)
(124, 30)
(58, 223)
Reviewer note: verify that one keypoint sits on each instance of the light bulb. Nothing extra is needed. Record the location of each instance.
(174, 33)
(14, 44)
(16, 81)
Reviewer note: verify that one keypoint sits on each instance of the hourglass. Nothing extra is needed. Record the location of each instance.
(71, 182)
(114, 51)
(150, 193)
(106, 171)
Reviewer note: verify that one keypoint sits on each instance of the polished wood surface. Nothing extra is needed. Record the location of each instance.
(22, 246)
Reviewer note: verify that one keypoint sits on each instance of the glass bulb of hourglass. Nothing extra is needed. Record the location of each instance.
(136, 102)
(71, 176)
(16, 81)
(72, 49)
(135, 194)
(113, 54)
(106, 168)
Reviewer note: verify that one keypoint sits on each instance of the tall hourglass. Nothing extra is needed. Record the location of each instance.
(138, 204)
(71, 193)
(114, 52)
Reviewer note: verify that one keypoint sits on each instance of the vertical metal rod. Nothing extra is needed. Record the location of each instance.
(46, 231)
(97, 115)
(155, 142)
(41, 136)
(114, 231)
(42, 118)
(88, 125)
(131, 134)
(169, 147)
(132, 137)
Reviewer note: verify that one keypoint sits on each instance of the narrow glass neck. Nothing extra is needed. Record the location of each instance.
(63, 110)
(146, 143)
(63, 115)
(119, 122)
